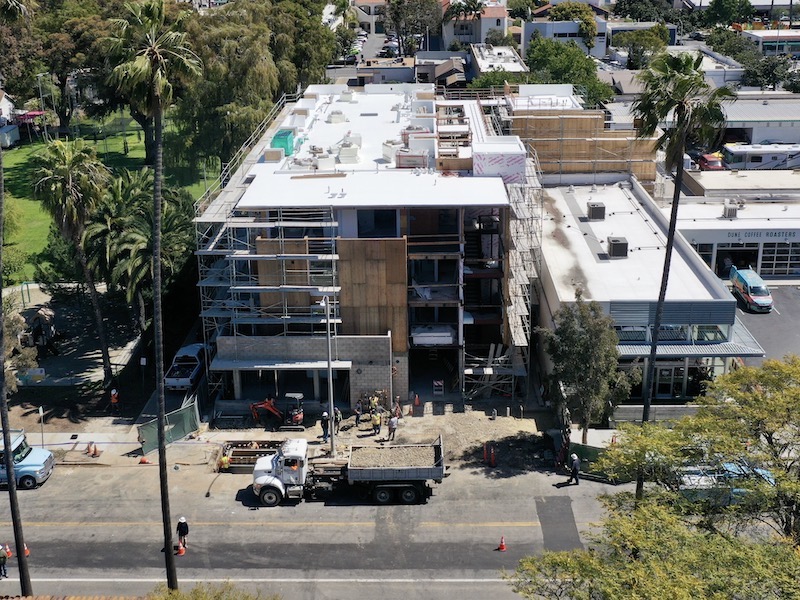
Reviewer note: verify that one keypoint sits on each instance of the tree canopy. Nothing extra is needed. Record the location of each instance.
(749, 419)
(583, 349)
(408, 18)
(551, 61)
(642, 44)
(652, 553)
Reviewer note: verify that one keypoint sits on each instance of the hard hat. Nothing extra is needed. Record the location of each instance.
(114, 391)
(182, 520)
(324, 414)
(573, 456)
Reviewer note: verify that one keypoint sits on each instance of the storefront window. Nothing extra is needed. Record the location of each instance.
(780, 258)
(630, 333)
(710, 333)
(674, 333)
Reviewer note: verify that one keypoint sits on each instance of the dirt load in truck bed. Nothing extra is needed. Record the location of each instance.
(393, 456)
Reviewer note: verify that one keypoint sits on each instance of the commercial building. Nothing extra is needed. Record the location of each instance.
(407, 215)
(609, 241)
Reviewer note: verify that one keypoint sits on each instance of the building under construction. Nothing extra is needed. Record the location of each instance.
(398, 228)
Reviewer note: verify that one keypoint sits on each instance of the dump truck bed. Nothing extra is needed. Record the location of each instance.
(408, 462)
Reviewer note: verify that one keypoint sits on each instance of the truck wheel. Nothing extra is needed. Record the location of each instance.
(271, 496)
(382, 495)
(409, 495)
(27, 482)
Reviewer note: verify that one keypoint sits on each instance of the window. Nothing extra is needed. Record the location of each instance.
(498, 22)
(756, 159)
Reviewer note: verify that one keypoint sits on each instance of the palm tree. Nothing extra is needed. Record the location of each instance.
(69, 179)
(126, 195)
(151, 56)
(11, 10)
(676, 90)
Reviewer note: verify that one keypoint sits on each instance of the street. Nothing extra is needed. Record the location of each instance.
(97, 530)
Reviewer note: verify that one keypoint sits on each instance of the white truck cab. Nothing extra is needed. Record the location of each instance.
(32, 466)
(282, 475)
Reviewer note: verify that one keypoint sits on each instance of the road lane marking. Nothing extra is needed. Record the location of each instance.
(422, 524)
(378, 580)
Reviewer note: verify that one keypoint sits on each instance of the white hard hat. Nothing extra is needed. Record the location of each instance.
(182, 520)
(324, 415)
(573, 456)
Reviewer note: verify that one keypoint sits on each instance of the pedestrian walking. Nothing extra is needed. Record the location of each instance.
(3, 561)
(358, 412)
(337, 419)
(392, 427)
(324, 424)
(376, 422)
(183, 531)
(575, 468)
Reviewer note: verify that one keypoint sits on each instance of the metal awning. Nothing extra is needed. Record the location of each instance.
(742, 344)
(221, 364)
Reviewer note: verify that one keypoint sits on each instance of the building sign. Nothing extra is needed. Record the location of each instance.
(762, 235)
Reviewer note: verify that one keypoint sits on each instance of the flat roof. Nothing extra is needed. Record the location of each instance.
(576, 250)
(497, 58)
(775, 217)
(373, 118)
(750, 183)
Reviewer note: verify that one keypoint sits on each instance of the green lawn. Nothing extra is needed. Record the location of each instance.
(108, 138)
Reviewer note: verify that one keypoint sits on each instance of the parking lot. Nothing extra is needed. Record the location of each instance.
(777, 331)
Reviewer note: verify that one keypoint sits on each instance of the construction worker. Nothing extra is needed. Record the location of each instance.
(3, 561)
(324, 424)
(358, 412)
(337, 419)
(183, 531)
(225, 463)
(376, 422)
(114, 401)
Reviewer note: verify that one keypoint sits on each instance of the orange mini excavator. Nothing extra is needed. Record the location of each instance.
(268, 405)
(292, 420)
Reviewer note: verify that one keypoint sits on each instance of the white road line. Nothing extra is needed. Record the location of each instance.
(261, 580)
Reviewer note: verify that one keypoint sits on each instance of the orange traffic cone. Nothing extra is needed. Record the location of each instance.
(88, 448)
(27, 552)
(416, 400)
(492, 459)
(181, 549)
(502, 546)
(9, 553)
(144, 461)
(95, 453)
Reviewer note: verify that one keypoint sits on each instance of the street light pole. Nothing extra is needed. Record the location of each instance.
(327, 302)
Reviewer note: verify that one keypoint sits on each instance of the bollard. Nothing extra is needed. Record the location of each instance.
(494, 414)
(508, 411)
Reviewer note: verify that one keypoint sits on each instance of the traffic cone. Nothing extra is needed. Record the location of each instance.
(492, 459)
(27, 552)
(95, 452)
(416, 400)
(144, 461)
(9, 553)
(502, 546)
(88, 448)
(181, 549)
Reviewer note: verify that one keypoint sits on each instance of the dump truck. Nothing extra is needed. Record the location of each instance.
(384, 473)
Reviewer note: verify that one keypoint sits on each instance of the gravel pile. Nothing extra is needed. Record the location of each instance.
(393, 456)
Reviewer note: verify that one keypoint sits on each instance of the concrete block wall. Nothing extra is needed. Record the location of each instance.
(369, 354)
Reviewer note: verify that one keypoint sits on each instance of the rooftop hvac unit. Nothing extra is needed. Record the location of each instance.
(617, 247)
(346, 96)
(729, 210)
(336, 116)
(596, 211)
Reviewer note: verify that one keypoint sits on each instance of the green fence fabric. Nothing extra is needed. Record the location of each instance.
(180, 423)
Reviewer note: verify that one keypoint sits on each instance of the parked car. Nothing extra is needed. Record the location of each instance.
(710, 162)
(187, 368)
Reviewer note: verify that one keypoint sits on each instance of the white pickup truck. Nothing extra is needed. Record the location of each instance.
(187, 368)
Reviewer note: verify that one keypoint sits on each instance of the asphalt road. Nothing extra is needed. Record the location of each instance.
(97, 530)
(777, 331)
